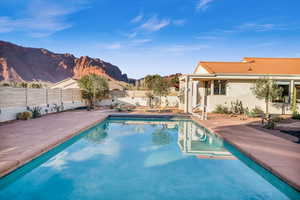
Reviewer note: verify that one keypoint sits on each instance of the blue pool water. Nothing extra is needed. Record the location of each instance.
(144, 159)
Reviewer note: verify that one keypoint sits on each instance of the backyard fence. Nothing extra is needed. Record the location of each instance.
(15, 100)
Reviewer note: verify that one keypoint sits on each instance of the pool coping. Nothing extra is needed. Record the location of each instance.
(8, 168)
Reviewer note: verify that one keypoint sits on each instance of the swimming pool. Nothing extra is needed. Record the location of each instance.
(128, 158)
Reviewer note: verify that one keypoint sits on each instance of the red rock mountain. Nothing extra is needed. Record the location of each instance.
(28, 64)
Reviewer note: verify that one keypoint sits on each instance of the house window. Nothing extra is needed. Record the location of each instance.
(298, 93)
(285, 96)
(219, 87)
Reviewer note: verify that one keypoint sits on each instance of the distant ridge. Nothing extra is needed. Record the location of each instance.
(19, 63)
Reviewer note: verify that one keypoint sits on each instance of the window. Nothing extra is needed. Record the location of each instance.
(285, 97)
(207, 88)
(298, 93)
(219, 87)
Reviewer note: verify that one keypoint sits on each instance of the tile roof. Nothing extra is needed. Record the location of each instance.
(285, 66)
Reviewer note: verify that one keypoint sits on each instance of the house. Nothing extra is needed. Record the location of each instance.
(214, 83)
(71, 83)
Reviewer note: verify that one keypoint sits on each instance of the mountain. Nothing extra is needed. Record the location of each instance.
(19, 63)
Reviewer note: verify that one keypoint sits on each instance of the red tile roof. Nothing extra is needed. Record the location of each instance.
(283, 66)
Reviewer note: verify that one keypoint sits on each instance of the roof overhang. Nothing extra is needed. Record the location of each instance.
(242, 76)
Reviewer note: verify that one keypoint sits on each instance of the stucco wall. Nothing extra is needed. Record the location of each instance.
(241, 90)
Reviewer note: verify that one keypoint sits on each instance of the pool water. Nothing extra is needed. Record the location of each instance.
(143, 159)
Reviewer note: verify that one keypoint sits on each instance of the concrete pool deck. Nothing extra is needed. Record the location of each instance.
(278, 155)
(22, 141)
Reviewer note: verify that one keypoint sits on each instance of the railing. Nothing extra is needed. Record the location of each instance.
(203, 115)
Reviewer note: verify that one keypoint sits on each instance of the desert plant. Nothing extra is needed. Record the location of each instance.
(57, 108)
(150, 80)
(270, 124)
(266, 89)
(237, 107)
(255, 112)
(93, 87)
(24, 115)
(150, 98)
(220, 109)
(35, 85)
(161, 88)
(36, 111)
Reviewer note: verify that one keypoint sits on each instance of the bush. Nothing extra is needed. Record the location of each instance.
(237, 107)
(36, 111)
(220, 109)
(256, 112)
(296, 116)
(24, 115)
(270, 124)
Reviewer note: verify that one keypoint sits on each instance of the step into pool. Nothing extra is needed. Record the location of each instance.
(131, 158)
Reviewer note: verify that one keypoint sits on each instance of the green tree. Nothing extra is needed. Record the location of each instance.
(150, 80)
(161, 87)
(267, 89)
(294, 106)
(93, 87)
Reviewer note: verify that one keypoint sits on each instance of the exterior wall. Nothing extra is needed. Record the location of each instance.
(137, 98)
(241, 90)
(15, 100)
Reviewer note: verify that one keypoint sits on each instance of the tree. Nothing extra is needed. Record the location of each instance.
(93, 87)
(175, 81)
(294, 106)
(161, 87)
(267, 89)
(150, 80)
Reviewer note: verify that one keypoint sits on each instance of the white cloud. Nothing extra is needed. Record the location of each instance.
(140, 41)
(138, 18)
(203, 4)
(257, 27)
(179, 22)
(154, 24)
(114, 46)
(181, 49)
(41, 18)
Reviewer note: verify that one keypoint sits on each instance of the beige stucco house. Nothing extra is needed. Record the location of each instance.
(214, 83)
(71, 83)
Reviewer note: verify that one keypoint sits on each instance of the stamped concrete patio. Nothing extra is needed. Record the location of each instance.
(278, 155)
(21, 141)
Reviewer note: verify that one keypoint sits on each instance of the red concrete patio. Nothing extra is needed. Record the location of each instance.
(21, 141)
(278, 155)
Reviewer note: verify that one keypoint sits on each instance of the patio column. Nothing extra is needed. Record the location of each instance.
(292, 86)
(186, 95)
(194, 94)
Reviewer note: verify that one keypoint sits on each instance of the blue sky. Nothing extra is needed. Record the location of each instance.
(155, 36)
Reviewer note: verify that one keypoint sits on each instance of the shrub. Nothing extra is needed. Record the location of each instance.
(36, 111)
(256, 112)
(220, 109)
(237, 107)
(24, 115)
(296, 116)
(270, 124)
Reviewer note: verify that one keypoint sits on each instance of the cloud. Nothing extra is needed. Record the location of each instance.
(203, 4)
(42, 18)
(257, 27)
(114, 46)
(181, 49)
(138, 18)
(154, 24)
(140, 41)
(179, 22)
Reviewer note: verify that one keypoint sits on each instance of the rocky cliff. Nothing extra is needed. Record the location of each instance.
(29, 64)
